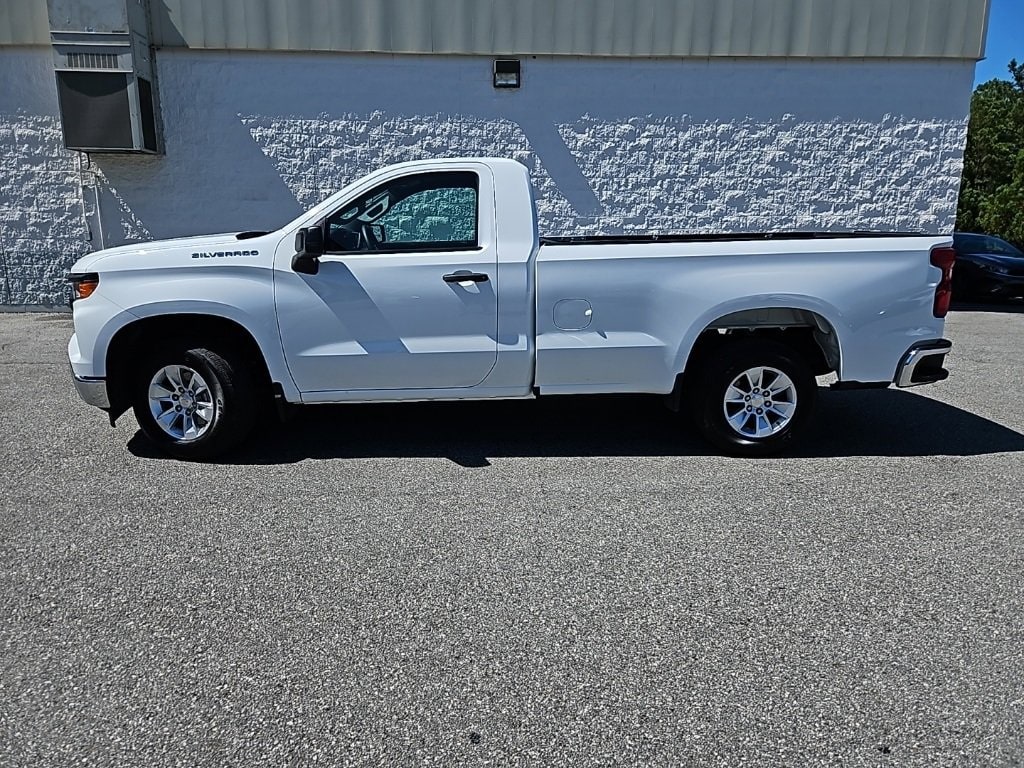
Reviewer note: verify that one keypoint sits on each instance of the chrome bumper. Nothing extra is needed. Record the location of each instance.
(922, 364)
(92, 391)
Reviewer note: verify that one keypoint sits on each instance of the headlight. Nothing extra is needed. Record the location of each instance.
(82, 286)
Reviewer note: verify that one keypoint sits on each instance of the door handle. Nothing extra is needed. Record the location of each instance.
(466, 277)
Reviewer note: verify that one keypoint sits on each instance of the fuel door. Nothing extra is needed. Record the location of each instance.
(573, 314)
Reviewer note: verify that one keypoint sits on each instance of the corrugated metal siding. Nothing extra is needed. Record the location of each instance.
(678, 28)
(24, 22)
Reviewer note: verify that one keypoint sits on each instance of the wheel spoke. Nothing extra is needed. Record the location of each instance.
(159, 391)
(783, 409)
(754, 376)
(205, 412)
(167, 421)
(739, 420)
(173, 375)
(734, 394)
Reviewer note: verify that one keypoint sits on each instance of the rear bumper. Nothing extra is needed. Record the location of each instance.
(92, 391)
(922, 363)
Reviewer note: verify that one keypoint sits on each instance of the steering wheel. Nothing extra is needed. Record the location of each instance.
(372, 243)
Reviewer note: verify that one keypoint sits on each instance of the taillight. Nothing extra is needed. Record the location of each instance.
(82, 286)
(943, 258)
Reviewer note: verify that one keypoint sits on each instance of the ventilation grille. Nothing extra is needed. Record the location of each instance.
(92, 61)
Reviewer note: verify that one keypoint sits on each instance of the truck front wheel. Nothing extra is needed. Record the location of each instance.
(753, 397)
(194, 403)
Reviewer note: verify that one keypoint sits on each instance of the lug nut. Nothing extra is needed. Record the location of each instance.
(760, 411)
(177, 408)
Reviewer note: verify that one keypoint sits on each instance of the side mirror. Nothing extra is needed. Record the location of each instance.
(309, 246)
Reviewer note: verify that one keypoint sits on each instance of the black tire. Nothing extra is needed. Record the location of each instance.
(713, 377)
(234, 397)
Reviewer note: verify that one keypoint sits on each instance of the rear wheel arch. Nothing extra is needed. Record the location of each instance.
(806, 331)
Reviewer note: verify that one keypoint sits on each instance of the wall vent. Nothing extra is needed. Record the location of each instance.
(103, 63)
(91, 61)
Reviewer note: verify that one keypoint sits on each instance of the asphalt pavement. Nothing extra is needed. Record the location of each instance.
(572, 581)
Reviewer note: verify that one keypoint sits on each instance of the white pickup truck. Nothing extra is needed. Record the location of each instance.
(429, 281)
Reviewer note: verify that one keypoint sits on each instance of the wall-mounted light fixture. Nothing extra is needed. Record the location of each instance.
(506, 73)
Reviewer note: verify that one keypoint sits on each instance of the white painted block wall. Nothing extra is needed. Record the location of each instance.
(613, 145)
(41, 224)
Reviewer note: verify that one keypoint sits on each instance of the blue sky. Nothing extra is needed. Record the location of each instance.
(1005, 40)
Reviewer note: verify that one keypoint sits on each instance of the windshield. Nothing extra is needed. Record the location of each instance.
(985, 244)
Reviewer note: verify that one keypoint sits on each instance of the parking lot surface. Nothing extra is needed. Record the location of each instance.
(561, 582)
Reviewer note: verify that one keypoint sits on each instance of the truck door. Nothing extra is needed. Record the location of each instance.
(405, 296)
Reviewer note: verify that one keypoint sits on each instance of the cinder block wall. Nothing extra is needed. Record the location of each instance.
(42, 229)
(732, 145)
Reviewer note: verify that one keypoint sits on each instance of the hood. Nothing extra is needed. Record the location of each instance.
(89, 262)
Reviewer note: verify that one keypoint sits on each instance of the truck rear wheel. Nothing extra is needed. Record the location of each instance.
(753, 397)
(194, 403)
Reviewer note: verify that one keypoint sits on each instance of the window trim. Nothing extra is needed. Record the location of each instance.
(406, 252)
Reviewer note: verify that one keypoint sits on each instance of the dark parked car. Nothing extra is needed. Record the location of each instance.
(987, 268)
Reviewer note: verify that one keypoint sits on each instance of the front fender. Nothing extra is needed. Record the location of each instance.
(262, 329)
(97, 320)
(243, 295)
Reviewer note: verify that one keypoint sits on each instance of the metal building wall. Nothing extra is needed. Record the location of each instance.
(677, 28)
(832, 28)
(24, 22)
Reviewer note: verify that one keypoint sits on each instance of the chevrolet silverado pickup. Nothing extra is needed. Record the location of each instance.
(430, 281)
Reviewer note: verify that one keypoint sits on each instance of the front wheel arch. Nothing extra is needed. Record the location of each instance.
(135, 340)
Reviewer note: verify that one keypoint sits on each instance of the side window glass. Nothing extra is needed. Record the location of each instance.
(433, 216)
(1002, 247)
(972, 244)
(428, 211)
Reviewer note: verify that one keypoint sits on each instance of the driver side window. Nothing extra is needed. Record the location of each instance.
(423, 212)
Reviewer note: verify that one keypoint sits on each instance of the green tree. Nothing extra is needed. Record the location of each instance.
(992, 192)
